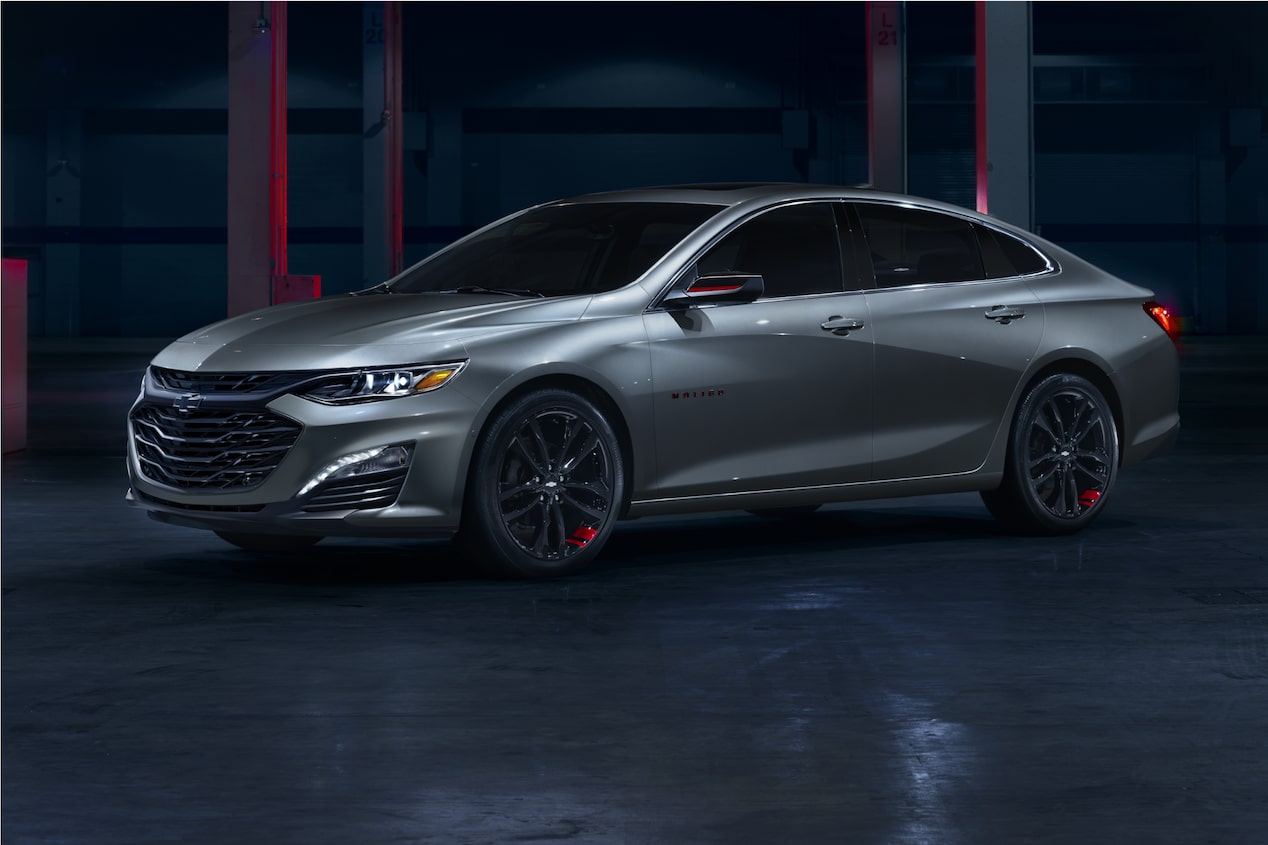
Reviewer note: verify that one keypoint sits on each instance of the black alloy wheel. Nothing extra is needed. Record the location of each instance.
(545, 489)
(1062, 459)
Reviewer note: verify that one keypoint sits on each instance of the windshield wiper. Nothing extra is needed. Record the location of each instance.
(381, 287)
(506, 291)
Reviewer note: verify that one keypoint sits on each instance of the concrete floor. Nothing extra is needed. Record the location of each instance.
(894, 672)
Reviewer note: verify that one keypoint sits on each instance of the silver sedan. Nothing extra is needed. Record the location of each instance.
(769, 348)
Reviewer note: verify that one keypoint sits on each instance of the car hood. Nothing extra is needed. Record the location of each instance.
(364, 330)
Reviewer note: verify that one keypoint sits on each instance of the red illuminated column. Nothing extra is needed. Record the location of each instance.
(980, 167)
(277, 142)
(259, 275)
(1004, 112)
(886, 97)
(383, 149)
(256, 225)
(395, 110)
(14, 366)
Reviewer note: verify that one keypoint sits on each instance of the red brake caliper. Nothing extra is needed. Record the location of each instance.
(582, 536)
(1088, 498)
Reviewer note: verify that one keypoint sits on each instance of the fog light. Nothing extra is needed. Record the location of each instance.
(378, 459)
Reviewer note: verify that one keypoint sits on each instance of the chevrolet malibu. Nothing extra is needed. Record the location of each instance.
(769, 348)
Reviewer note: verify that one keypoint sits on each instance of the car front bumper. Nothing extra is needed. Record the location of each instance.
(437, 426)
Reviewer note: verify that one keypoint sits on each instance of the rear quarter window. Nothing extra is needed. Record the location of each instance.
(1005, 256)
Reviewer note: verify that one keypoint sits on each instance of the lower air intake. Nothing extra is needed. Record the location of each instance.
(360, 492)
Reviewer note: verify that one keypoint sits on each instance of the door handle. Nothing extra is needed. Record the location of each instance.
(841, 325)
(1004, 314)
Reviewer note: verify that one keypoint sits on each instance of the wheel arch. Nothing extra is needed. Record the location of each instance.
(1093, 371)
(573, 382)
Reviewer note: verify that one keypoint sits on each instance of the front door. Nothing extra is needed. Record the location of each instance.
(764, 395)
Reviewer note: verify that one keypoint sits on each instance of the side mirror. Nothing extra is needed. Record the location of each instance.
(720, 288)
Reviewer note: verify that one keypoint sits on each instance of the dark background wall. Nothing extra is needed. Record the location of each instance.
(1149, 134)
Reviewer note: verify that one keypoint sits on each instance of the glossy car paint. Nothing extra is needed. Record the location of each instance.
(721, 406)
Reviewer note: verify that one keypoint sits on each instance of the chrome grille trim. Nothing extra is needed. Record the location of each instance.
(232, 449)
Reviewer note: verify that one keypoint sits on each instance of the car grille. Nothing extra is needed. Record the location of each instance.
(361, 492)
(187, 382)
(210, 449)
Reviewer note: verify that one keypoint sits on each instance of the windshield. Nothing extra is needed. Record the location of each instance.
(560, 250)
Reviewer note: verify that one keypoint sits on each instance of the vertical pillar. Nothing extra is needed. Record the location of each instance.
(887, 96)
(257, 153)
(374, 258)
(278, 102)
(13, 334)
(382, 215)
(1259, 159)
(395, 115)
(63, 153)
(1005, 112)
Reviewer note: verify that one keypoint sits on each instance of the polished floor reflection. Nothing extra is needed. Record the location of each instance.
(885, 672)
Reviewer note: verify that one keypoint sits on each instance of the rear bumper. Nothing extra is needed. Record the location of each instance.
(1152, 446)
(1148, 385)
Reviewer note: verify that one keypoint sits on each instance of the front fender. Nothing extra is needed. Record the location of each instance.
(610, 355)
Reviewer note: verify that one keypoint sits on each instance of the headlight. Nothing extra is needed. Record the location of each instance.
(371, 385)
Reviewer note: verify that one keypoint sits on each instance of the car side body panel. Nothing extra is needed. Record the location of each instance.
(1096, 318)
(728, 376)
(947, 374)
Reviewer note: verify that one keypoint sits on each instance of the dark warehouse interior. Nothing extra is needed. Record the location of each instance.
(891, 671)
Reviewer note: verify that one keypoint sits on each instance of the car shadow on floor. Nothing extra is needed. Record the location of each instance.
(721, 541)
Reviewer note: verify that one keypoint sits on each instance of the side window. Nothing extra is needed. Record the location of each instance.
(910, 246)
(1006, 256)
(794, 248)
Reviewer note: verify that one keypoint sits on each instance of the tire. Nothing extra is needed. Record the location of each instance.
(546, 487)
(1062, 459)
(790, 513)
(269, 543)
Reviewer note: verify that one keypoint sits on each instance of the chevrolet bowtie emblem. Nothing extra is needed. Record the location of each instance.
(187, 402)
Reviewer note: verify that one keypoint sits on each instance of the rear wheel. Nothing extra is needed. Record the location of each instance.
(545, 489)
(1062, 459)
(269, 542)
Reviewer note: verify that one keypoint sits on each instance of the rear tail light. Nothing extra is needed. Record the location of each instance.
(1162, 316)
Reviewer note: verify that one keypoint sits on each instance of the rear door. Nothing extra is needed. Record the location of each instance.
(951, 343)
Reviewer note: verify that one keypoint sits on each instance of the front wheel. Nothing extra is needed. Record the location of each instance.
(1062, 459)
(545, 488)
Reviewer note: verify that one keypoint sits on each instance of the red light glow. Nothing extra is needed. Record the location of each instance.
(1162, 316)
